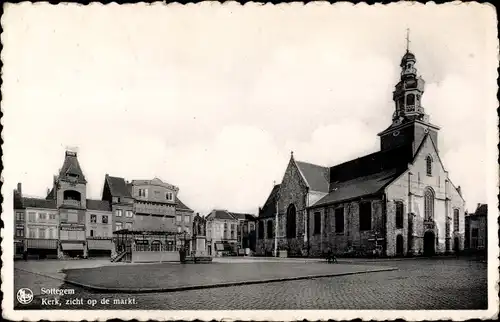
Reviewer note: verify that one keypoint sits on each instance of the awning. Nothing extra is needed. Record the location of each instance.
(42, 243)
(99, 244)
(67, 246)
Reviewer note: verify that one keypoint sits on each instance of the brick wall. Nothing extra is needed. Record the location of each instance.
(293, 190)
(340, 242)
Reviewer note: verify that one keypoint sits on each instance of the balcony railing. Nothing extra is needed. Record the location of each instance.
(408, 71)
(410, 108)
(72, 203)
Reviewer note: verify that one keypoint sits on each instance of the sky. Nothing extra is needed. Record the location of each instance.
(214, 98)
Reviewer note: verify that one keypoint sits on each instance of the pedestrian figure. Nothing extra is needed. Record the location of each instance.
(330, 257)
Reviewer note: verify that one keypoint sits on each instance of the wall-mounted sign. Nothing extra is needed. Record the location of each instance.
(72, 227)
(141, 242)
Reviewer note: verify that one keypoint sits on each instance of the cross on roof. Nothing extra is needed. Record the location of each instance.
(407, 39)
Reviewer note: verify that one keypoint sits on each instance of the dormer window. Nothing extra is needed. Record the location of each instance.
(428, 161)
(169, 196)
(143, 193)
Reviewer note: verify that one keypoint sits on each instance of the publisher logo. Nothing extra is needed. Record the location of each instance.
(24, 296)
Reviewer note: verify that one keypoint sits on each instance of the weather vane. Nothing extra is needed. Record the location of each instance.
(407, 39)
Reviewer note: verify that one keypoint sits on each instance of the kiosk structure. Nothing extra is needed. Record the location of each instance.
(139, 246)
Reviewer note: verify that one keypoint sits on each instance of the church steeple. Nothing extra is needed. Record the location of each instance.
(410, 125)
(408, 92)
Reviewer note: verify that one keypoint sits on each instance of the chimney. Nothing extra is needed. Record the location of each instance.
(20, 189)
(48, 191)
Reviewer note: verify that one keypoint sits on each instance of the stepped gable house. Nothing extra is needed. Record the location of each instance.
(62, 224)
(398, 201)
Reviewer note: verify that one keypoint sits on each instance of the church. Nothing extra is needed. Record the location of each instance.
(398, 201)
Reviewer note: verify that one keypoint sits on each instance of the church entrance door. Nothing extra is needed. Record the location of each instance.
(456, 245)
(399, 245)
(429, 243)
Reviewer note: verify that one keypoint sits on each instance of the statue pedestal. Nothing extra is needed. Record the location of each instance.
(199, 246)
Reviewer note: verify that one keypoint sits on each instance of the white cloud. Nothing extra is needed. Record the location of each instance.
(213, 100)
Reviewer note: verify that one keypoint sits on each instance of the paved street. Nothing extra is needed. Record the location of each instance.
(160, 276)
(418, 284)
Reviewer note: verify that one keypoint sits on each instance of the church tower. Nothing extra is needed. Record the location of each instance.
(410, 124)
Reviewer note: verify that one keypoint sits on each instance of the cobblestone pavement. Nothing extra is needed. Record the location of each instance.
(418, 284)
(160, 276)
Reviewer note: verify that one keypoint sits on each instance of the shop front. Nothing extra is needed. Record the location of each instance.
(41, 248)
(72, 241)
(19, 249)
(99, 247)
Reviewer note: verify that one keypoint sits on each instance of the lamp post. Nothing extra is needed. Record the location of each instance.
(276, 223)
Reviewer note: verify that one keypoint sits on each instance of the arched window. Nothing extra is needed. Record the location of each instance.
(399, 214)
(429, 204)
(410, 100)
(270, 230)
(156, 246)
(291, 222)
(401, 105)
(456, 220)
(71, 195)
(261, 229)
(428, 162)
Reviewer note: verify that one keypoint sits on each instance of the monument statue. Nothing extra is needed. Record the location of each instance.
(199, 235)
(199, 226)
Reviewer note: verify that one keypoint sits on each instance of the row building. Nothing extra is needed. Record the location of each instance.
(68, 224)
(476, 229)
(230, 233)
(397, 201)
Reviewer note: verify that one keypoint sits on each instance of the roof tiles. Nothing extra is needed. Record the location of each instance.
(315, 175)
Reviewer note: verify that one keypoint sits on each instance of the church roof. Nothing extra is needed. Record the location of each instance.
(367, 175)
(118, 187)
(359, 187)
(316, 176)
(373, 163)
(72, 166)
(269, 208)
